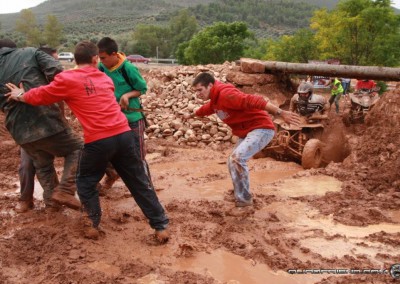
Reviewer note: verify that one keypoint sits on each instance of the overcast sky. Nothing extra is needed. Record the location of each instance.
(13, 6)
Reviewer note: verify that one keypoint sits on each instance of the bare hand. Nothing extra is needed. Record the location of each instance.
(290, 117)
(14, 91)
(124, 102)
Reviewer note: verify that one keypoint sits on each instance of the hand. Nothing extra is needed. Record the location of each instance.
(14, 92)
(124, 102)
(290, 117)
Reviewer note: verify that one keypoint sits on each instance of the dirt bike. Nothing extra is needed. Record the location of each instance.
(300, 143)
(361, 102)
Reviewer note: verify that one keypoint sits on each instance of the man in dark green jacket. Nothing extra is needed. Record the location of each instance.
(129, 86)
(40, 130)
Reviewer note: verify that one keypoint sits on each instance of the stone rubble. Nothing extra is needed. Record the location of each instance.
(170, 96)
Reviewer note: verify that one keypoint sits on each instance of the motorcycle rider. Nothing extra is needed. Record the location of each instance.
(306, 103)
(365, 84)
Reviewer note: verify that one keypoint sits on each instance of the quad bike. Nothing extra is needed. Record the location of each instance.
(360, 103)
(300, 143)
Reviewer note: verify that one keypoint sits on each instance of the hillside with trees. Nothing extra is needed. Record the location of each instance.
(361, 32)
(91, 19)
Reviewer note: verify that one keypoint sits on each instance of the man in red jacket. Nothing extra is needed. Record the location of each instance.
(247, 116)
(89, 93)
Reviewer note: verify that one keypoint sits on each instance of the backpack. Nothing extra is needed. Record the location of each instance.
(126, 78)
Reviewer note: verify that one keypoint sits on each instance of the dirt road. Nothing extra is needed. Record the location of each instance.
(345, 216)
(212, 242)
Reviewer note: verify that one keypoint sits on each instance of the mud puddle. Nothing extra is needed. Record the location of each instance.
(230, 268)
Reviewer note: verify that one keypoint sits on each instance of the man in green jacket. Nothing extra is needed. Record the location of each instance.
(129, 86)
(336, 92)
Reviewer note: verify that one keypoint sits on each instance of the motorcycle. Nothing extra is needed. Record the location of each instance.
(361, 102)
(301, 143)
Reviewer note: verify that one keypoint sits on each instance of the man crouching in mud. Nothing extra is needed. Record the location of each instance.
(246, 115)
(90, 95)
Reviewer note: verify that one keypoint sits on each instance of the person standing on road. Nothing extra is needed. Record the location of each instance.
(247, 116)
(26, 169)
(89, 93)
(41, 131)
(129, 86)
(336, 93)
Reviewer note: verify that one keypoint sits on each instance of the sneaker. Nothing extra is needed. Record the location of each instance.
(66, 199)
(162, 236)
(24, 206)
(244, 203)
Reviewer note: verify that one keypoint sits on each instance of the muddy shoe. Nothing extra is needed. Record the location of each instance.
(66, 199)
(162, 236)
(109, 180)
(241, 211)
(52, 207)
(24, 206)
(244, 203)
(91, 233)
(102, 191)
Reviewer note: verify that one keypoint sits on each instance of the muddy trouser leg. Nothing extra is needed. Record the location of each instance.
(129, 165)
(138, 128)
(26, 173)
(64, 144)
(91, 168)
(337, 100)
(331, 99)
(246, 148)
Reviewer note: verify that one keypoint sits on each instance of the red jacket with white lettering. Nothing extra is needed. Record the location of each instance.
(241, 112)
(89, 93)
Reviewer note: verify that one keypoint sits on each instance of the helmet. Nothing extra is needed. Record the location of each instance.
(305, 87)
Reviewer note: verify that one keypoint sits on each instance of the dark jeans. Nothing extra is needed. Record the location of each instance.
(64, 144)
(26, 173)
(123, 152)
(138, 128)
(336, 99)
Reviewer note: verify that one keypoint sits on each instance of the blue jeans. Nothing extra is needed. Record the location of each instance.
(246, 148)
(345, 86)
(123, 151)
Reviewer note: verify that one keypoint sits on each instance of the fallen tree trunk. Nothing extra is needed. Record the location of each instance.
(346, 71)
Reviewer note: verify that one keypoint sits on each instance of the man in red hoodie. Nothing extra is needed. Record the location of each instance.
(247, 116)
(89, 93)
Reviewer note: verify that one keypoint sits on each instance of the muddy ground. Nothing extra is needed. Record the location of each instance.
(344, 216)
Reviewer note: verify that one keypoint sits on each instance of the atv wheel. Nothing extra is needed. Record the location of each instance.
(312, 154)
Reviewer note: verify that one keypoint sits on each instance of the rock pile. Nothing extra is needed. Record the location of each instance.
(170, 96)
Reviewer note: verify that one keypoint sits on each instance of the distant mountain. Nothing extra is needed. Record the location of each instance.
(94, 18)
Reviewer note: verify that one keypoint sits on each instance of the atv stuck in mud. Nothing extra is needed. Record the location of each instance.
(300, 143)
(360, 103)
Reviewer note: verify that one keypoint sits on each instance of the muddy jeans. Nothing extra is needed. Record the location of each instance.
(336, 99)
(26, 173)
(246, 148)
(64, 144)
(123, 152)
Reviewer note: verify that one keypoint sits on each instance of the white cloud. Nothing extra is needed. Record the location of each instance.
(15, 6)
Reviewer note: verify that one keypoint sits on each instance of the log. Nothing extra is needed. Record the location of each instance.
(327, 70)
